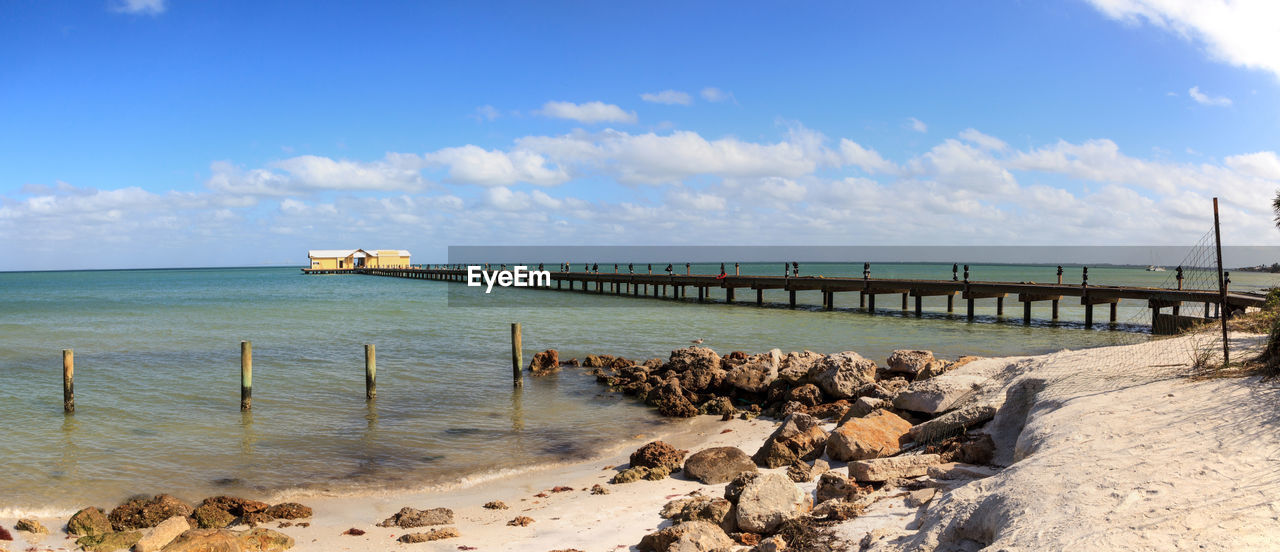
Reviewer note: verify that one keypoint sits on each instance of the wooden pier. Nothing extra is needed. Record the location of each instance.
(677, 286)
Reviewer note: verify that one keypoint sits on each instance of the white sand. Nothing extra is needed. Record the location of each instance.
(1110, 454)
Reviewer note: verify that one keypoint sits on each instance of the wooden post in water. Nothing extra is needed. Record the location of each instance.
(1055, 310)
(516, 353)
(919, 306)
(951, 302)
(1114, 313)
(68, 381)
(370, 372)
(759, 297)
(246, 376)
(793, 298)
(1026, 312)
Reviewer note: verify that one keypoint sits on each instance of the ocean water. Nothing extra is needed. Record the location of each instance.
(157, 372)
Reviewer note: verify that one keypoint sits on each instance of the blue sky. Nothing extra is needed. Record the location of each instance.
(242, 133)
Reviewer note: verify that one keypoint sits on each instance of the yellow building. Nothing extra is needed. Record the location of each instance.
(345, 259)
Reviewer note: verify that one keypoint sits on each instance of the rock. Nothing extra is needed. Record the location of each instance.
(772, 544)
(951, 423)
(829, 411)
(544, 363)
(702, 508)
(410, 517)
(942, 368)
(353, 532)
(235, 505)
(881, 433)
(87, 522)
(495, 505)
(205, 540)
(833, 485)
(807, 394)
(864, 406)
(109, 542)
(141, 512)
(208, 516)
(840, 375)
(670, 400)
(598, 490)
(672, 509)
(939, 394)
(884, 469)
(799, 437)
(913, 362)
(31, 526)
(635, 474)
(432, 535)
(658, 454)
(970, 449)
(253, 519)
(5, 535)
(289, 510)
(746, 539)
(690, 536)
(570, 362)
(756, 373)
(795, 367)
(717, 465)
(956, 470)
(767, 501)
(734, 489)
(520, 521)
(920, 497)
(718, 405)
(162, 534)
(264, 540)
(688, 358)
(838, 510)
(799, 472)
(596, 361)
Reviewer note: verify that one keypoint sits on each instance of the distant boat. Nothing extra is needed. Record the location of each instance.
(1154, 268)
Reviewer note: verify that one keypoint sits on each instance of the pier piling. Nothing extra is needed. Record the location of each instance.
(370, 372)
(68, 381)
(516, 353)
(246, 376)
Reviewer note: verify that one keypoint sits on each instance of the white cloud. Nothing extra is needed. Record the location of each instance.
(669, 97)
(310, 173)
(917, 125)
(982, 140)
(141, 7)
(1244, 33)
(1205, 99)
(713, 94)
(867, 159)
(587, 113)
(487, 113)
(1263, 164)
(475, 165)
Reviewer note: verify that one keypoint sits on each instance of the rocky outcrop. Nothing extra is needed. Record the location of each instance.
(717, 465)
(936, 395)
(913, 363)
(410, 517)
(692, 358)
(702, 508)
(658, 454)
(756, 373)
(795, 367)
(833, 485)
(807, 394)
(690, 536)
(544, 363)
(670, 400)
(209, 516)
(289, 510)
(142, 512)
(770, 499)
(881, 433)
(109, 542)
(800, 437)
(897, 467)
(864, 406)
(89, 522)
(157, 537)
(840, 375)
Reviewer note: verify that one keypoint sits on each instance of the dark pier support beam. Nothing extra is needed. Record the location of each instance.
(951, 302)
(1114, 308)
(1088, 315)
(970, 311)
(728, 295)
(904, 302)
(793, 298)
(1055, 310)
(919, 306)
(871, 303)
(862, 299)
(1026, 312)
(759, 297)
(702, 294)
(1000, 306)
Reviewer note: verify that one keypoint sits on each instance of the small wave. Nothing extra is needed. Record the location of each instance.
(42, 512)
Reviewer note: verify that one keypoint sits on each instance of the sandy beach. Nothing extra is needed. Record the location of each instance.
(1091, 453)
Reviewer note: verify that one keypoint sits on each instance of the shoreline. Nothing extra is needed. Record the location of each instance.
(578, 519)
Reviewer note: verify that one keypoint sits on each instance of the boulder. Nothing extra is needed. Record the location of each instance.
(142, 512)
(546, 362)
(755, 375)
(956, 470)
(264, 540)
(807, 394)
(840, 375)
(767, 501)
(289, 510)
(157, 537)
(31, 526)
(717, 405)
(410, 517)
(800, 437)
(772, 544)
(829, 411)
(209, 516)
(253, 519)
(658, 454)
(897, 467)
(862, 407)
(630, 475)
(205, 540)
(717, 465)
(969, 449)
(833, 485)
(432, 535)
(936, 395)
(670, 400)
(109, 542)
(794, 367)
(596, 361)
(838, 510)
(688, 358)
(88, 522)
(942, 368)
(881, 433)
(951, 423)
(235, 505)
(804, 472)
(690, 536)
(920, 497)
(703, 508)
(913, 362)
(734, 489)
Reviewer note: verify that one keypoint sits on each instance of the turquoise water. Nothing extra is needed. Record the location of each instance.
(157, 372)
